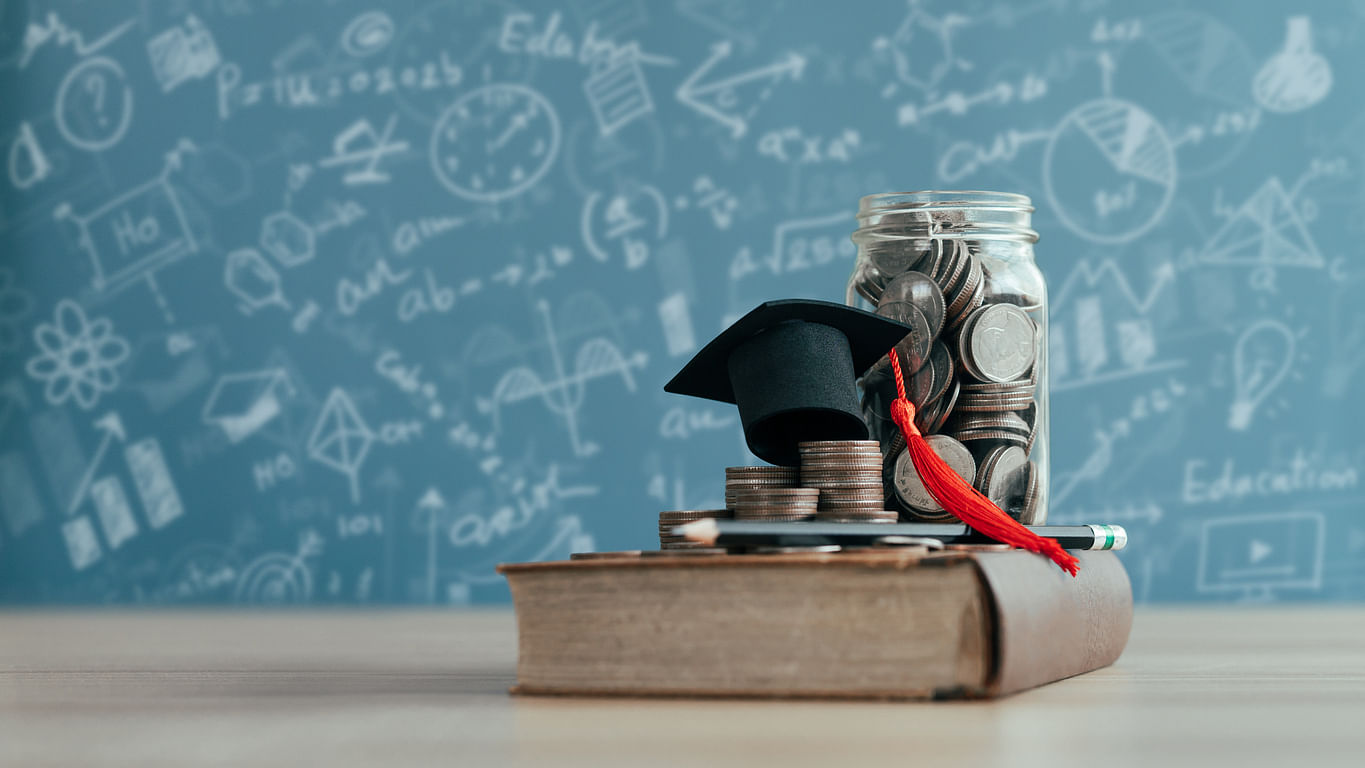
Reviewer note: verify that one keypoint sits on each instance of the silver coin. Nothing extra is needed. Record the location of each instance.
(1002, 474)
(893, 258)
(953, 269)
(914, 348)
(834, 446)
(910, 488)
(1001, 343)
(948, 404)
(920, 290)
(944, 369)
(1031, 511)
(972, 287)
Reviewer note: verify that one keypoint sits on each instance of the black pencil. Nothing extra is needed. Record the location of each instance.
(743, 533)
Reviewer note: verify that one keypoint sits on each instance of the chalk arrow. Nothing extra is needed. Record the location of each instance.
(112, 426)
(432, 499)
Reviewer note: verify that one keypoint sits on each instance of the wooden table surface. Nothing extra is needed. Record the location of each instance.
(1272, 687)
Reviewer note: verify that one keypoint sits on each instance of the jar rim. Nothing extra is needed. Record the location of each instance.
(936, 199)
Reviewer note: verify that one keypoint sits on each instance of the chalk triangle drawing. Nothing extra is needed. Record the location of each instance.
(1265, 231)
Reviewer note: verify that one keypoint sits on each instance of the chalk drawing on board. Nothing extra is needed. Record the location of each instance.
(28, 164)
(1297, 77)
(153, 482)
(618, 94)
(252, 279)
(1262, 357)
(289, 239)
(361, 149)
(1267, 230)
(1100, 328)
(1109, 171)
(78, 359)
(82, 545)
(564, 393)
(94, 104)
(341, 439)
(279, 578)
(244, 402)
(111, 427)
(622, 220)
(1255, 555)
(922, 47)
(181, 54)
(460, 39)
(53, 28)
(137, 233)
(732, 101)
(367, 34)
(198, 572)
(1201, 69)
(113, 511)
(495, 142)
(680, 337)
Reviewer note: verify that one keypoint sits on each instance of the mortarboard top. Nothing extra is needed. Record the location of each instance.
(791, 367)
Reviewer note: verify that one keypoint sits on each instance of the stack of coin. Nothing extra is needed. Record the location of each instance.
(670, 519)
(970, 367)
(782, 504)
(743, 478)
(848, 474)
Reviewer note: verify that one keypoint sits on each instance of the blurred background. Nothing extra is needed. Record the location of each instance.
(346, 302)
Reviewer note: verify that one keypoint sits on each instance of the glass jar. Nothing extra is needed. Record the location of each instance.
(958, 268)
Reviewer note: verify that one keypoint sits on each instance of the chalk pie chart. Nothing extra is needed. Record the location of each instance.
(1109, 171)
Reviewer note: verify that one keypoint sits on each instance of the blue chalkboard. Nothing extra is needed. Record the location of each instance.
(336, 302)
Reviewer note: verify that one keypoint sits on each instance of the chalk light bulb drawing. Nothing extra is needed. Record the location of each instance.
(1260, 361)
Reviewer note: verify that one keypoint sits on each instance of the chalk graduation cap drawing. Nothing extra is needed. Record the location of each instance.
(242, 403)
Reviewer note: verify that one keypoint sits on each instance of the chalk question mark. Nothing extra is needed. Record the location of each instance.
(94, 85)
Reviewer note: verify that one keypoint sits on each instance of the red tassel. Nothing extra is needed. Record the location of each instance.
(958, 496)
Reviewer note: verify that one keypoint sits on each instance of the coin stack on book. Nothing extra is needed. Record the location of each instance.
(780, 504)
(746, 478)
(848, 474)
(671, 519)
(970, 372)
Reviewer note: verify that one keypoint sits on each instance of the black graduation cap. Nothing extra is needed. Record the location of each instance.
(791, 367)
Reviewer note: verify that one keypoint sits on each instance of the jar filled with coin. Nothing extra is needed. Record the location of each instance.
(958, 268)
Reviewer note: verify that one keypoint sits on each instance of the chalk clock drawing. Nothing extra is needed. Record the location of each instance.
(495, 142)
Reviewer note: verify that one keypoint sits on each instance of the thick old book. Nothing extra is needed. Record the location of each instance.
(873, 624)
